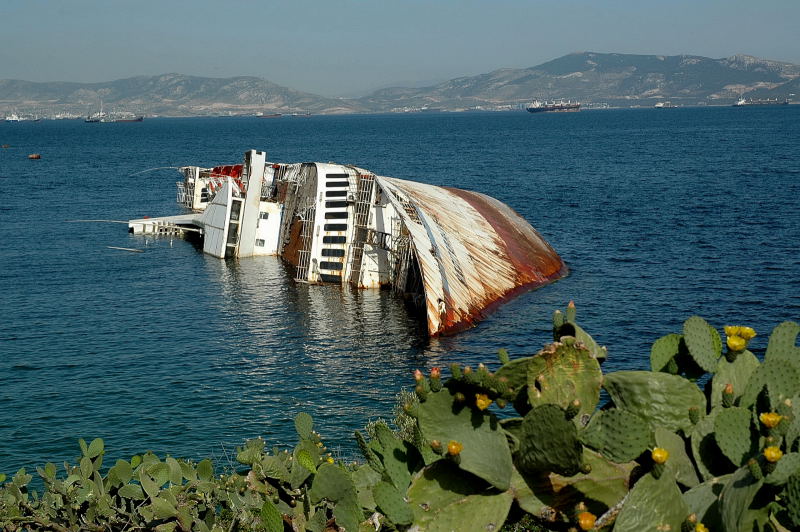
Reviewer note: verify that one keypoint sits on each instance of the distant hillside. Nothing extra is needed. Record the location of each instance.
(170, 94)
(618, 79)
(593, 78)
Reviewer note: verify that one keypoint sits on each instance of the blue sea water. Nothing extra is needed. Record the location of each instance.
(660, 214)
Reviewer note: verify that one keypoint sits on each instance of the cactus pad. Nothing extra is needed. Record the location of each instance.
(732, 430)
(391, 503)
(705, 451)
(563, 372)
(703, 342)
(444, 498)
(703, 501)
(786, 467)
(678, 464)
(332, 483)
(619, 435)
(736, 498)
(663, 350)
(661, 399)
(271, 518)
(783, 343)
(485, 449)
(548, 442)
(735, 373)
(782, 380)
(792, 493)
(303, 424)
(652, 504)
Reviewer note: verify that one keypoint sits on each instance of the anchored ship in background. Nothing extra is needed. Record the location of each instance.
(742, 102)
(455, 254)
(555, 106)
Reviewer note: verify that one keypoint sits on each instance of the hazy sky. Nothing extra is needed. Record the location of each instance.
(345, 47)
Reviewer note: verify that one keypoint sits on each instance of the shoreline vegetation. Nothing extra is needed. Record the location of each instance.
(707, 439)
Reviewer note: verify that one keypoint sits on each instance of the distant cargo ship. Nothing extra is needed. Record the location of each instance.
(741, 102)
(555, 106)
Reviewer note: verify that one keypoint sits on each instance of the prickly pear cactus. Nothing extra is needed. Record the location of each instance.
(652, 504)
(703, 501)
(678, 464)
(484, 452)
(566, 325)
(563, 372)
(792, 493)
(390, 501)
(664, 351)
(335, 484)
(732, 430)
(548, 442)
(780, 379)
(736, 498)
(736, 373)
(553, 497)
(705, 451)
(782, 344)
(618, 434)
(703, 342)
(661, 399)
(444, 498)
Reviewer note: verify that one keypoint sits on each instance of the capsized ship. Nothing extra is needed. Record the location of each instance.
(456, 254)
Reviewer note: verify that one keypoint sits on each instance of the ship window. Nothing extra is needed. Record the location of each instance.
(324, 265)
(335, 193)
(337, 176)
(333, 253)
(336, 215)
(263, 215)
(329, 278)
(337, 184)
(335, 227)
(335, 204)
(260, 242)
(334, 239)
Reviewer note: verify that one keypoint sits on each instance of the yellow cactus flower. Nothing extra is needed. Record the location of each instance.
(736, 343)
(330, 459)
(586, 520)
(770, 419)
(731, 330)
(700, 527)
(659, 455)
(748, 333)
(773, 454)
(482, 401)
(454, 448)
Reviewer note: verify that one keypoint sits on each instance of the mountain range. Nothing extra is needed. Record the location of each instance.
(593, 78)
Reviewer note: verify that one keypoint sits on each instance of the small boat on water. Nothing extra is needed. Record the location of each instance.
(454, 254)
(270, 115)
(554, 106)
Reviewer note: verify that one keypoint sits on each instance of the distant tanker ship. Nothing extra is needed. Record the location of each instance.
(741, 102)
(555, 106)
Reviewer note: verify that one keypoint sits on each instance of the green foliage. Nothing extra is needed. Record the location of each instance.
(730, 456)
(620, 435)
(652, 504)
